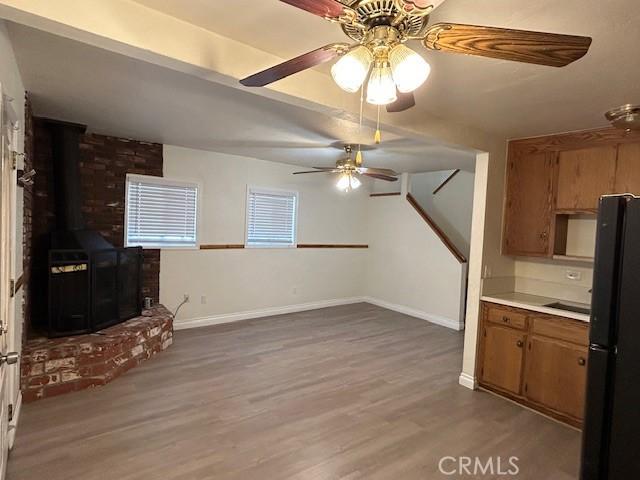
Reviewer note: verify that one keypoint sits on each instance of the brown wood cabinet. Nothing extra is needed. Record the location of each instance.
(529, 204)
(583, 176)
(556, 375)
(538, 360)
(549, 179)
(502, 363)
(627, 179)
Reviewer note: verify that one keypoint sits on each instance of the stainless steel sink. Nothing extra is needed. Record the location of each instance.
(569, 308)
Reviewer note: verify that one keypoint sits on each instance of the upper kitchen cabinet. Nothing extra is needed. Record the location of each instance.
(628, 169)
(528, 204)
(553, 186)
(584, 176)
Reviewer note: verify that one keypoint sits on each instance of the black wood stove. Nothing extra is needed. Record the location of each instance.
(92, 284)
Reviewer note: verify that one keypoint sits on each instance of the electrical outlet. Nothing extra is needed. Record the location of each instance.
(574, 275)
(203, 299)
(186, 298)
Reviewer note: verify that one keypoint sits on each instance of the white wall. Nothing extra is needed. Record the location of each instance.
(410, 267)
(236, 281)
(452, 207)
(13, 87)
(406, 266)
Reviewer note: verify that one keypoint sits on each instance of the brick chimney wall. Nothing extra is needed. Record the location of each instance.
(104, 163)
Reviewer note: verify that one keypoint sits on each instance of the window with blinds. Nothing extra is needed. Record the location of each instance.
(160, 212)
(271, 218)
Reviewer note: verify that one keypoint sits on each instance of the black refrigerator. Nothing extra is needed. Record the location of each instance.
(611, 435)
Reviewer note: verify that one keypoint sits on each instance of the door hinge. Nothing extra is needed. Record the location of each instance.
(526, 387)
(12, 288)
(14, 159)
(10, 411)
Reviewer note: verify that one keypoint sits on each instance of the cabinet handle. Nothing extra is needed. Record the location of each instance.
(582, 362)
(505, 319)
(543, 235)
(520, 343)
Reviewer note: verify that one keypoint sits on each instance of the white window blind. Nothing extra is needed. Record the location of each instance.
(271, 218)
(161, 212)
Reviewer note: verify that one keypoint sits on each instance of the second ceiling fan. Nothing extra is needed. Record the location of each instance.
(380, 29)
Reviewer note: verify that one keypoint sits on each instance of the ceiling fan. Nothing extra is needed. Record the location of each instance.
(380, 29)
(350, 168)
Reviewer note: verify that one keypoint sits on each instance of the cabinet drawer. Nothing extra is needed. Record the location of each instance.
(507, 317)
(562, 329)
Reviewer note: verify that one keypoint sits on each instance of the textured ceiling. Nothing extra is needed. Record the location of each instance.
(117, 95)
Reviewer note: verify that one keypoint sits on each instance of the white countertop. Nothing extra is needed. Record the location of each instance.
(536, 304)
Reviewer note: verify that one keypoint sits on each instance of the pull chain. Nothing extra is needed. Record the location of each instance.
(378, 136)
(359, 152)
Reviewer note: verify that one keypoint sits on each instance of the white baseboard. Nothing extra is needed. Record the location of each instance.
(468, 381)
(302, 307)
(437, 319)
(265, 312)
(13, 425)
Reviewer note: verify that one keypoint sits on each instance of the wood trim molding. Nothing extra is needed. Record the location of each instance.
(575, 140)
(437, 230)
(18, 285)
(238, 246)
(391, 194)
(447, 180)
(329, 245)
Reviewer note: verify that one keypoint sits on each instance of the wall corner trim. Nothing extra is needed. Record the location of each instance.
(468, 381)
(412, 312)
(302, 307)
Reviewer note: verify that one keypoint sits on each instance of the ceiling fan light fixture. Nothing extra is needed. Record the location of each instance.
(409, 69)
(348, 182)
(351, 70)
(382, 88)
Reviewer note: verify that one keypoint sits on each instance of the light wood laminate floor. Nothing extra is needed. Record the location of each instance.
(351, 392)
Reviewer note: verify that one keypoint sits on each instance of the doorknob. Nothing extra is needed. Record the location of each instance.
(10, 358)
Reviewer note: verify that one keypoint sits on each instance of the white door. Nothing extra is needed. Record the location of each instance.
(7, 268)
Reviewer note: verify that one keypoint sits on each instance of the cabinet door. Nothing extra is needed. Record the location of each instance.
(584, 176)
(556, 375)
(502, 359)
(529, 204)
(628, 169)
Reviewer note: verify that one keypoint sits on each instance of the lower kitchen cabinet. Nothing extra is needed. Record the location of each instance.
(555, 375)
(539, 360)
(502, 363)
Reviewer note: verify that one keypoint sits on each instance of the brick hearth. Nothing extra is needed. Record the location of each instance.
(54, 366)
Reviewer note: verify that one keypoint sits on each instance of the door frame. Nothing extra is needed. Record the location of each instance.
(10, 127)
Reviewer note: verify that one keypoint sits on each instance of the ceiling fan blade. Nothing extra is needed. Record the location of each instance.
(296, 65)
(378, 171)
(550, 49)
(322, 8)
(381, 177)
(404, 102)
(319, 170)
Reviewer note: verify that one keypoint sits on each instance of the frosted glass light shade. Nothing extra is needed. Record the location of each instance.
(381, 89)
(343, 183)
(348, 182)
(351, 70)
(410, 70)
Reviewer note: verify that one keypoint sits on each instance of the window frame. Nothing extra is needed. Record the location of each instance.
(171, 182)
(271, 191)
